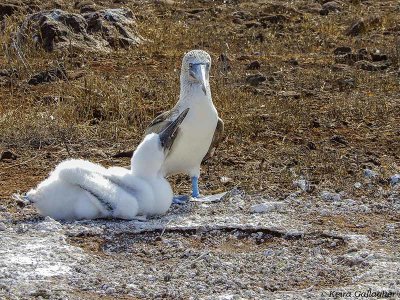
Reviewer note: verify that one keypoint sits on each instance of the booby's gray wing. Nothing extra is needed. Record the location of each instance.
(217, 138)
(162, 121)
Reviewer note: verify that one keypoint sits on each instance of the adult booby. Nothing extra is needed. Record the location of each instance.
(202, 129)
(79, 189)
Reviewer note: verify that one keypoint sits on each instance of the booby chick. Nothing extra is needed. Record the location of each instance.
(79, 189)
(202, 129)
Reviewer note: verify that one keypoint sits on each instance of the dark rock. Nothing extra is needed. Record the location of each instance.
(93, 31)
(259, 37)
(373, 66)
(331, 6)
(351, 58)
(48, 76)
(315, 123)
(346, 83)
(252, 24)
(7, 154)
(255, 65)
(9, 73)
(312, 7)
(356, 28)
(167, 278)
(342, 50)
(377, 56)
(311, 146)
(338, 139)
(255, 79)
(88, 8)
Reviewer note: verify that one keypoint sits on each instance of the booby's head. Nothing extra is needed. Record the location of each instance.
(149, 156)
(195, 69)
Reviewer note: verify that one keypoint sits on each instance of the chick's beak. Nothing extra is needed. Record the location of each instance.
(168, 135)
(199, 72)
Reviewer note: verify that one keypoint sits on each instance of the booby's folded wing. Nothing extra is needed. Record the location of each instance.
(162, 121)
(217, 138)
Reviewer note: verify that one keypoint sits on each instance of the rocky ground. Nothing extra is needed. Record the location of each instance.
(309, 92)
(241, 247)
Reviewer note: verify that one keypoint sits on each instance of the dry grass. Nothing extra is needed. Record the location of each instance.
(268, 135)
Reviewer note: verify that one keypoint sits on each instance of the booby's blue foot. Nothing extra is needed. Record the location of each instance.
(195, 187)
(180, 199)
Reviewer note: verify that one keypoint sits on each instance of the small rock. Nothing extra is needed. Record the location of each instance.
(7, 154)
(356, 28)
(167, 278)
(268, 252)
(49, 225)
(290, 94)
(395, 179)
(225, 179)
(357, 185)
(331, 6)
(370, 173)
(351, 260)
(312, 7)
(346, 83)
(303, 184)
(342, 50)
(252, 24)
(255, 65)
(256, 79)
(338, 139)
(48, 76)
(378, 56)
(266, 207)
(373, 66)
(3, 226)
(43, 293)
(311, 145)
(294, 234)
(329, 196)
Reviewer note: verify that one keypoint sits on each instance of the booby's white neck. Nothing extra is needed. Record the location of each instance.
(191, 93)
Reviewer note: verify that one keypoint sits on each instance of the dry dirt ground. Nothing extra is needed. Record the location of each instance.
(309, 92)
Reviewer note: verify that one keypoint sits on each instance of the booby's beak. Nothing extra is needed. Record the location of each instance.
(168, 135)
(199, 71)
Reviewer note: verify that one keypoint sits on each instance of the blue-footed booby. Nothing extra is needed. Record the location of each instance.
(78, 189)
(202, 129)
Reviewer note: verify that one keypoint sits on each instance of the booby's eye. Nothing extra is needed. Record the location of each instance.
(190, 65)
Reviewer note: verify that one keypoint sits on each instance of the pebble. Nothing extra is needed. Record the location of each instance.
(266, 207)
(370, 173)
(269, 252)
(357, 185)
(3, 226)
(329, 196)
(395, 179)
(303, 184)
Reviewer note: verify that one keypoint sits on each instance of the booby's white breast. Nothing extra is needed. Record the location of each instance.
(194, 139)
